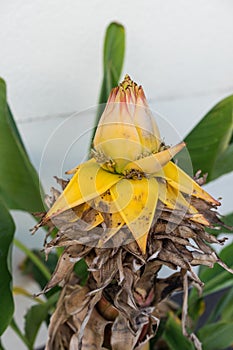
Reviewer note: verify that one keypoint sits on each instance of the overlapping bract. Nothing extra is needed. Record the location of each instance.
(131, 171)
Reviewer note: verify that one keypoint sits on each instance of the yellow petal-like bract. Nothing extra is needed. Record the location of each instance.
(88, 182)
(136, 201)
(130, 173)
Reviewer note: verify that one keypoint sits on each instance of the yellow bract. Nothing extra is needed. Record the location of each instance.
(112, 218)
(184, 183)
(155, 162)
(136, 201)
(128, 175)
(88, 182)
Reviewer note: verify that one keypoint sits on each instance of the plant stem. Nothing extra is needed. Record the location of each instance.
(33, 258)
(17, 330)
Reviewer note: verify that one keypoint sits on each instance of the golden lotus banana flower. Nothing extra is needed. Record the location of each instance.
(132, 200)
(131, 172)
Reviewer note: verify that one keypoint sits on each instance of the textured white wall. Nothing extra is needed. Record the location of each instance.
(51, 57)
(51, 50)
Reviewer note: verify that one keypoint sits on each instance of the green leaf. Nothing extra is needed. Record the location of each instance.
(114, 49)
(224, 309)
(224, 162)
(196, 305)
(174, 337)
(35, 316)
(14, 128)
(1, 346)
(29, 267)
(19, 182)
(17, 330)
(7, 229)
(228, 219)
(210, 143)
(216, 336)
(113, 58)
(220, 230)
(217, 278)
(226, 304)
(81, 269)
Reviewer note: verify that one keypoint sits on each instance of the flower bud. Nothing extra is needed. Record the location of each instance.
(126, 130)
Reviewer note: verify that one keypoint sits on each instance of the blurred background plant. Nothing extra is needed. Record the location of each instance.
(210, 145)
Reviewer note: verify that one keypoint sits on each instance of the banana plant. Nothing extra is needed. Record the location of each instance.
(22, 190)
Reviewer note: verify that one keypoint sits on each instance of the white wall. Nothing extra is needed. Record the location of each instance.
(51, 50)
(51, 57)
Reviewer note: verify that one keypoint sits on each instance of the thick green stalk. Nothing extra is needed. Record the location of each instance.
(44, 270)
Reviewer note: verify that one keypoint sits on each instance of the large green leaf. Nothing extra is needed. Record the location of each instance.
(224, 162)
(34, 318)
(19, 182)
(223, 310)
(113, 58)
(36, 315)
(210, 143)
(173, 335)
(228, 219)
(226, 306)
(114, 48)
(7, 229)
(216, 336)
